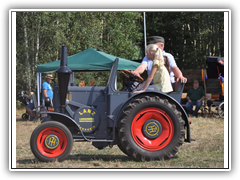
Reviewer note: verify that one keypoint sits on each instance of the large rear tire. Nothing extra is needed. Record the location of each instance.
(51, 141)
(151, 129)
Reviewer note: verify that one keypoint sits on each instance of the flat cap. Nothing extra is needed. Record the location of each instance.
(195, 81)
(155, 39)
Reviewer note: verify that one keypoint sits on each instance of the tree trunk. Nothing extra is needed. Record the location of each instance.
(28, 82)
(36, 55)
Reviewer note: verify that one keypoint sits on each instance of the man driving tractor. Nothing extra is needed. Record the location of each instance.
(147, 64)
(159, 72)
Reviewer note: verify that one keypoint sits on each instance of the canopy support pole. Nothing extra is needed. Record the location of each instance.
(145, 39)
(38, 88)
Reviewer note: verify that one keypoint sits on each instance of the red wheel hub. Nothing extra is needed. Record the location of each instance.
(152, 129)
(51, 142)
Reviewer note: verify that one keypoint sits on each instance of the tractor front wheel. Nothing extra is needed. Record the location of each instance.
(151, 129)
(51, 141)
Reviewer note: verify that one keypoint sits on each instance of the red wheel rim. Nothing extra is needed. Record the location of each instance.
(163, 139)
(51, 142)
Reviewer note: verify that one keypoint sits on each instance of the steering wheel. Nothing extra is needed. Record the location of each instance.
(129, 75)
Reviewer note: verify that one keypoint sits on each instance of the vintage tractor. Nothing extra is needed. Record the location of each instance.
(145, 126)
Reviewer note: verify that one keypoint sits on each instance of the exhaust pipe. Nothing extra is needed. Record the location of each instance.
(63, 76)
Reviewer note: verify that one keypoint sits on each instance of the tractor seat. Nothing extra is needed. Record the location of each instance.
(177, 91)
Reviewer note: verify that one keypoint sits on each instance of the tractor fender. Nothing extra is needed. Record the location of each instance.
(160, 95)
(62, 118)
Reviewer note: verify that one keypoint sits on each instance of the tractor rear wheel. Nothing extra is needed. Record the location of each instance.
(51, 141)
(151, 129)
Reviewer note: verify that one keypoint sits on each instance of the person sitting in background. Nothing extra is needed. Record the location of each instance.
(195, 96)
(30, 106)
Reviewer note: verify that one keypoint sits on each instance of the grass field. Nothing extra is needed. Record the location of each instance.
(207, 151)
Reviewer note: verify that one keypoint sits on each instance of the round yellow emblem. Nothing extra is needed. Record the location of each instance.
(51, 141)
(152, 129)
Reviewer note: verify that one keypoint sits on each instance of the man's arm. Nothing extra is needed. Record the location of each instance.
(189, 100)
(45, 92)
(202, 98)
(178, 74)
(140, 69)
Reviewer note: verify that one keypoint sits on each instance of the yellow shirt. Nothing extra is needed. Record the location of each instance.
(161, 78)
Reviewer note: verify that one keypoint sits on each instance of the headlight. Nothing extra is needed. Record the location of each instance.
(47, 101)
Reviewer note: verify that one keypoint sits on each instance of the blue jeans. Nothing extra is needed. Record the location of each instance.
(30, 106)
(190, 105)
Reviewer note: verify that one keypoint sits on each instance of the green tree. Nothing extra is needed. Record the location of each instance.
(189, 36)
(122, 33)
(40, 36)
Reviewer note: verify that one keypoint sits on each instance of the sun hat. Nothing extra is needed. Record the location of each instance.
(49, 76)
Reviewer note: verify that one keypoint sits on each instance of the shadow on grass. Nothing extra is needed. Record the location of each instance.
(122, 158)
(84, 157)
(88, 158)
(21, 120)
(103, 157)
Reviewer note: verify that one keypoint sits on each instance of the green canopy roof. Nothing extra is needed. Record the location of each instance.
(90, 59)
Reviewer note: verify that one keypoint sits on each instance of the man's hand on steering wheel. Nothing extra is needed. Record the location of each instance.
(129, 75)
(135, 73)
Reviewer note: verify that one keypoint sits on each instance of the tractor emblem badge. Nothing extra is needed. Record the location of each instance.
(87, 118)
(51, 141)
(152, 129)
